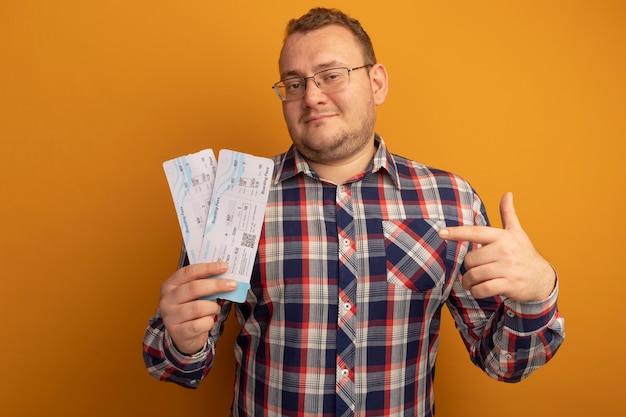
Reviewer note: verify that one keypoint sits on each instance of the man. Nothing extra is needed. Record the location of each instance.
(359, 252)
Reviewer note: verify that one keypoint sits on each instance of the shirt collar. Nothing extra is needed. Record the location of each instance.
(292, 163)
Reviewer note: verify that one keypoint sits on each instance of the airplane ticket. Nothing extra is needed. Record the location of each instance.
(235, 219)
(191, 180)
(231, 210)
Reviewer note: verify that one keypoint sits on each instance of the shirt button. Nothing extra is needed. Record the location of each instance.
(346, 242)
(510, 313)
(347, 306)
(345, 373)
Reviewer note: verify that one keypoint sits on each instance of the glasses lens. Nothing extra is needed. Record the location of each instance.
(332, 80)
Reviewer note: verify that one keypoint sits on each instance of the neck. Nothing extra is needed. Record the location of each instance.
(338, 172)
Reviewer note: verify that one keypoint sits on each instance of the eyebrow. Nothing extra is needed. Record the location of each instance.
(319, 67)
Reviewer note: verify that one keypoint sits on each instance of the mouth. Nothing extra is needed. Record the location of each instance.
(316, 117)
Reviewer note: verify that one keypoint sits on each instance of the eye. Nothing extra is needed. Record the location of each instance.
(293, 85)
(331, 76)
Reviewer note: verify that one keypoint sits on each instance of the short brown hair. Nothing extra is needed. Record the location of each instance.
(319, 17)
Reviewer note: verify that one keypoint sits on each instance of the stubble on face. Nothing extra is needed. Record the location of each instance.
(318, 146)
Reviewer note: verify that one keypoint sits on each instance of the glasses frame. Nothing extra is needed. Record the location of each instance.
(276, 88)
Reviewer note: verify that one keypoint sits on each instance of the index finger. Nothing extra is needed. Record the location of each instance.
(475, 234)
(196, 271)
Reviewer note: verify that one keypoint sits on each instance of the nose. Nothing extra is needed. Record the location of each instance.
(312, 94)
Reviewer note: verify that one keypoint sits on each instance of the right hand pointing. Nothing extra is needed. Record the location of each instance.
(187, 318)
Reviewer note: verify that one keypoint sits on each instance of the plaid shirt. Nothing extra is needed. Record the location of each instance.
(344, 311)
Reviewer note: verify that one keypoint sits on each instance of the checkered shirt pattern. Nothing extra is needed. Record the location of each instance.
(347, 292)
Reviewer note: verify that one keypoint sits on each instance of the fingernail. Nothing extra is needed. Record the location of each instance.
(231, 284)
(444, 232)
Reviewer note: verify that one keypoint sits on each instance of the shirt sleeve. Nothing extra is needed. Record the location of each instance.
(507, 339)
(165, 363)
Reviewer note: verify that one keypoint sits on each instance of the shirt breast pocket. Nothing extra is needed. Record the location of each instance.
(416, 255)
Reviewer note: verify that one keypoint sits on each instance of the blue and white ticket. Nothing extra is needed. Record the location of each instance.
(232, 225)
(191, 178)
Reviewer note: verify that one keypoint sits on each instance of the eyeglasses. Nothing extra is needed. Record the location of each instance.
(329, 81)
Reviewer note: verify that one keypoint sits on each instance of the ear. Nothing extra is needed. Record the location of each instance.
(380, 83)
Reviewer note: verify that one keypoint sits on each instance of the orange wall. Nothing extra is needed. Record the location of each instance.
(94, 96)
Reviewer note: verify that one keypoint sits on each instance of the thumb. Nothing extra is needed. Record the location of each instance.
(507, 213)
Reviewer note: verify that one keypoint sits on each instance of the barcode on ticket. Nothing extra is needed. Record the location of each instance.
(248, 240)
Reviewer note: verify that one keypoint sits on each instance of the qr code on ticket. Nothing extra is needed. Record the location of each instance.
(248, 240)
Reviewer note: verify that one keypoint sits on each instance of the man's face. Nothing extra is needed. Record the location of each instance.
(329, 128)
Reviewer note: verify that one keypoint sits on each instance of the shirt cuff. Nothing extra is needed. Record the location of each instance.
(524, 318)
(181, 360)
